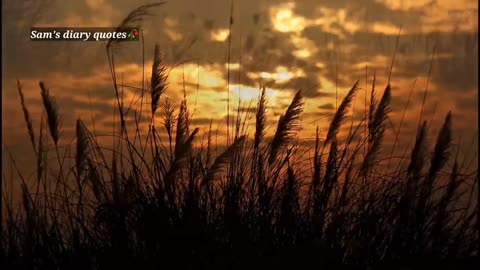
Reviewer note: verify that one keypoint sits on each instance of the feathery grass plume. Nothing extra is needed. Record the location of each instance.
(414, 172)
(418, 153)
(257, 162)
(159, 79)
(371, 156)
(377, 131)
(372, 108)
(408, 197)
(322, 195)
(317, 163)
(223, 159)
(51, 108)
(381, 113)
(169, 120)
(168, 116)
(340, 114)
(331, 173)
(99, 190)
(182, 127)
(180, 154)
(40, 155)
(26, 115)
(441, 152)
(286, 126)
(209, 145)
(361, 225)
(134, 18)
(442, 206)
(260, 118)
(439, 159)
(82, 147)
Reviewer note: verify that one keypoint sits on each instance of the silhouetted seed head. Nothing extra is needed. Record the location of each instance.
(51, 109)
(168, 115)
(340, 113)
(133, 19)
(286, 126)
(96, 184)
(418, 152)
(260, 120)
(381, 114)
(182, 127)
(159, 79)
(377, 131)
(331, 172)
(441, 152)
(82, 147)
(224, 159)
(373, 106)
(40, 153)
(26, 115)
(181, 152)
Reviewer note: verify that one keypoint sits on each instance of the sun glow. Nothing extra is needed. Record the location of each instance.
(219, 35)
(245, 92)
(282, 74)
(284, 20)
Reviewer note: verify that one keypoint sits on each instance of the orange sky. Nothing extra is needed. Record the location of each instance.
(319, 48)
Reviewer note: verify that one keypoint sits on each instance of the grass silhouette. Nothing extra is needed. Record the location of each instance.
(147, 204)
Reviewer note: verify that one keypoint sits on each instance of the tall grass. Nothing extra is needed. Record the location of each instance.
(177, 204)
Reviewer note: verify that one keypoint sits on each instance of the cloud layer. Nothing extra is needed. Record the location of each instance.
(320, 48)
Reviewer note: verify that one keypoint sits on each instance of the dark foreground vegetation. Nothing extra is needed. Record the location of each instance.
(172, 199)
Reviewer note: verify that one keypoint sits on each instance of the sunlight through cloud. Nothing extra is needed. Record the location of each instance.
(284, 20)
(282, 74)
(219, 35)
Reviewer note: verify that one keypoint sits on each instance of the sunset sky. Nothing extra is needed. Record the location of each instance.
(316, 46)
